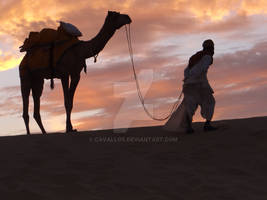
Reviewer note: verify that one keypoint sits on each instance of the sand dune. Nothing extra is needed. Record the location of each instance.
(143, 163)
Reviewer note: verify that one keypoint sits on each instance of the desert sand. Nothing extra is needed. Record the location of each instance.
(230, 163)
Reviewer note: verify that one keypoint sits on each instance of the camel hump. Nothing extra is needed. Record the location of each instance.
(48, 35)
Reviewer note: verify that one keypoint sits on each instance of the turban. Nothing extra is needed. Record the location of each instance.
(207, 44)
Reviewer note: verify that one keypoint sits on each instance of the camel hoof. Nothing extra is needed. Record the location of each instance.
(72, 131)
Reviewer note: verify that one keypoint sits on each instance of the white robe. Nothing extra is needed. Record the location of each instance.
(197, 91)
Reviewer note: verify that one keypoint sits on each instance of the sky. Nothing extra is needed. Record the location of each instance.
(165, 33)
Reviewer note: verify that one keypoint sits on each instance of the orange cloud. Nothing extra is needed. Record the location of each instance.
(165, 34)
(8, 61)
(254, 7)
(239, 90)
(18, 17)
(26, 15)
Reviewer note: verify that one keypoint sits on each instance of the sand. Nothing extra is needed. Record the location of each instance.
(230, 163)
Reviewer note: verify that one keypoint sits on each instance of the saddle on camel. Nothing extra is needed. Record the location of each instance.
(45, 49)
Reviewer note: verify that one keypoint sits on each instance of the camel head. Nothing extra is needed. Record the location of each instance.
(118, 20)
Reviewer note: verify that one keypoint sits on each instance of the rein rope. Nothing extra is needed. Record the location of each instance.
(175, 105)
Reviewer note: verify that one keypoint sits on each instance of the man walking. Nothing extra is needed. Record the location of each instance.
(197, 91)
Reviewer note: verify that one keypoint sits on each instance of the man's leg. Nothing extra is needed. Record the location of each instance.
(191, 99)
(207, 110)
(191, 107)
(189, 129)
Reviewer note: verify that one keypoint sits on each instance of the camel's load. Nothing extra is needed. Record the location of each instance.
(65, 31)
(70, 29)
(46, 44)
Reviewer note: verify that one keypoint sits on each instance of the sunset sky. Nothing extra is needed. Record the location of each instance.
(165, 34)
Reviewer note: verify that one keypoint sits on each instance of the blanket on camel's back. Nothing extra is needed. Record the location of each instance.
(45, 48)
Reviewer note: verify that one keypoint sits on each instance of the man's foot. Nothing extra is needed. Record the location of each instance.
(207, 128)
(190, 131)
(72, 131)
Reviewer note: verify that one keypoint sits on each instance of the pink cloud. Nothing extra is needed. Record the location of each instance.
(241, 69)
(164, 36)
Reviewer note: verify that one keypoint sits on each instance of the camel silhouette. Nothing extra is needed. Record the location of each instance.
(67, 70)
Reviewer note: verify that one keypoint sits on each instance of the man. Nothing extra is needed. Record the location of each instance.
(197, 91)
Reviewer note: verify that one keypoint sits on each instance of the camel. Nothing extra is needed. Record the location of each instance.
(67, 70)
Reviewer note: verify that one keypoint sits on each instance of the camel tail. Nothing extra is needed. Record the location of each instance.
(52, 84)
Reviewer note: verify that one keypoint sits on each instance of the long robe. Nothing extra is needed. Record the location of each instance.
(197, 91)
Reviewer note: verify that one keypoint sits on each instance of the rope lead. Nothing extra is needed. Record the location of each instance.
(175, 105)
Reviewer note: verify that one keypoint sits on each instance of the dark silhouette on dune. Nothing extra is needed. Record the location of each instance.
(68, 69)
(197, 92)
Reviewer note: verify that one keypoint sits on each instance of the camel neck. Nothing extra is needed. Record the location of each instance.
(97, 44)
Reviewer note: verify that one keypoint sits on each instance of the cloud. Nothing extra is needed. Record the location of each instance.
(239, 80)
(164, 34)
(8, 60)
(18, 17)
(254, 7)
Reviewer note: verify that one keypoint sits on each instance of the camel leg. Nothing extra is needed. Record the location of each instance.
(73, 85)
(65, 86)
(25, 93)
(69, 92)
(37, 90)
